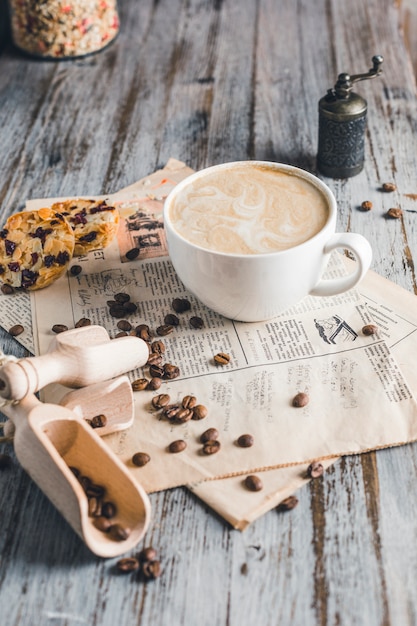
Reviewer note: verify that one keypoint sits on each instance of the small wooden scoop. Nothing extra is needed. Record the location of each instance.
(76, 358)
(49, 439)
(112, 398)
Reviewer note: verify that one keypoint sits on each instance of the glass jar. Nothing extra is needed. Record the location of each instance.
(58, 29)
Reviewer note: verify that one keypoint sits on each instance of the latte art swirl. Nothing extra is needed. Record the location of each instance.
(249, 209)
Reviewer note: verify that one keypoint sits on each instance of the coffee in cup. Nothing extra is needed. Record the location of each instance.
(252, 238)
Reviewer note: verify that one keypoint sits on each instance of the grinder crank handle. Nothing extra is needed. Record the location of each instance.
(78, 357)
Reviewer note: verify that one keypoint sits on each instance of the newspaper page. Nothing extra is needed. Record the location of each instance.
(359, 399)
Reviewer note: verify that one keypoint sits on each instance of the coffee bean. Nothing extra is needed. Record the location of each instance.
(180, 305)
(75, 270)
(140, 459)
(158, 347)
(16, 330)
(98, 421)
(171, 371)
(147, 554)
(300, 400)
(177, 446)
(59, 328)
(222, 358)
(154, 384)
(171, 320)
(245, 441)
(154, 359)
(211, 446)
(253, 483)
(211, 434)
(130, 307)
(94, 507)
(84, 321)
(196, 322)
(127, 565)
(109, 510)
(143, 331)
(394, 213)
(124, 325)
(122, 333)
(5, 461)
(288, 504)
(117, 311)
(93, 490)
(122, 298)
(140, 384)
(315, 470)
(369, 329)
(132, 254)
(7, 290)
(366, 205)
(164, 330)
(182, 415)
(102, 523)
(189, 402)
(160, 401)
(151, 570)
(199, 412)
(156, 371)
(389, 187)
(119, 532)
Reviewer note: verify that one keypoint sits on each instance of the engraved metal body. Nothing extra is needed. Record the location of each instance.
(342, 122)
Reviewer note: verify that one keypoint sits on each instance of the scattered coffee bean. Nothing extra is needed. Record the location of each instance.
(171, 371)
(288, 504)
(119, 532)
(369, 329)
(16, 330)
(59, 328)
(154, 384)
(121, 333)
(366, 205)
(211, 447)
(164, 330)
(199, 412)
(315, 470)
(151, 570)
(75, 270)
(211, 434)
(7, 290)
(102, 523)
(132, 254)
(154, 359)
(158, 347)
(160, 401)
(127, 565)
(147, 554)
(300, 400)
(181, 305)
(156, 371)
(143, 331)
(196, 322)
(245, 441)
(84, 321)
(394, 213)
(171, 320)
(222, 358)
(124, 325)
(130, 307)
(182, 415)
(140, 459)
(253, 483)
(98, 421)
(189, 402)
(388, 187)
(177, 446)
(117, 311)
(122, 298)
(140, 384)
(5, 461)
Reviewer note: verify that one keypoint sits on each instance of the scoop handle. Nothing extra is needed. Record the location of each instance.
(72, 364)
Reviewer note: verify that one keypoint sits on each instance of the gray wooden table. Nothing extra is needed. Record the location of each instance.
(208, 81)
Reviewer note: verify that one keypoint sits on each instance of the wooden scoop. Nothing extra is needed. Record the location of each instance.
(49, 439)
(76, 358)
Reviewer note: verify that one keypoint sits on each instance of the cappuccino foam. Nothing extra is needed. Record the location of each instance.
(249, 209)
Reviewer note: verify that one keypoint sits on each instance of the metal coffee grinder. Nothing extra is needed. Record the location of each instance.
(342, 122)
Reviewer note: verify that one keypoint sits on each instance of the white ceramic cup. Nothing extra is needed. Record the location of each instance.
(257, 287)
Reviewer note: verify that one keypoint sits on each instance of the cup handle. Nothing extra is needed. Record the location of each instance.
(361, 248)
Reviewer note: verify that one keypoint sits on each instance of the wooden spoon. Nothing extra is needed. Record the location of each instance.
(49, 439)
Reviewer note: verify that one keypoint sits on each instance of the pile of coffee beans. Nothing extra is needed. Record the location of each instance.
(102, 511)
(146, 563)
(121, 305)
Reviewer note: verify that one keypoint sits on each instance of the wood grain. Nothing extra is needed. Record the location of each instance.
(208, 81)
